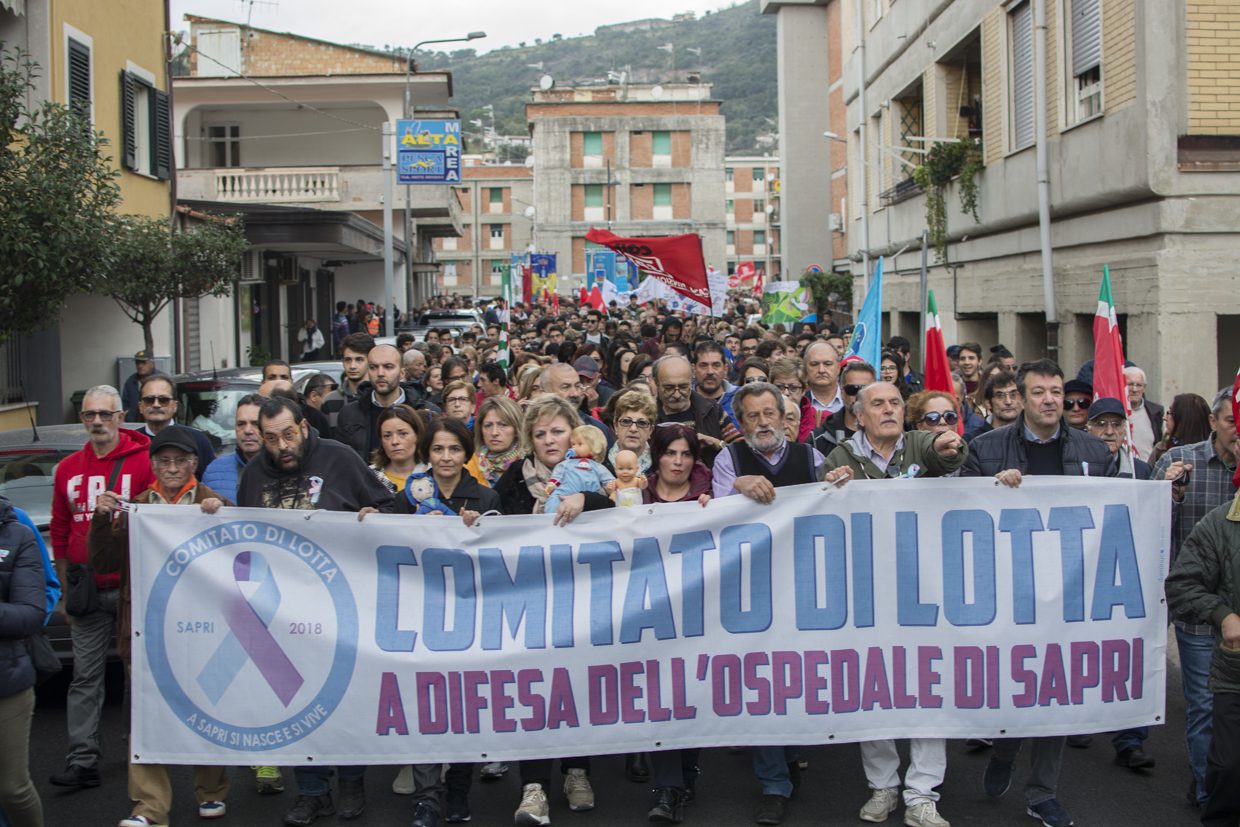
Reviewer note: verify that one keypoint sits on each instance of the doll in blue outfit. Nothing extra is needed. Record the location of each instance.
(578, 472)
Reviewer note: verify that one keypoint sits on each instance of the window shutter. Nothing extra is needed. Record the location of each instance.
(79, 78)
(162, 134)
(1086, 36)
(1022, 76)
(129, 138)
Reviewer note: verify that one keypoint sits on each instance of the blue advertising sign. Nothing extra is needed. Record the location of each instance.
(428, 152)
(605, 265)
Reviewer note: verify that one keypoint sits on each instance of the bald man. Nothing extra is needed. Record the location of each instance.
(358, 423)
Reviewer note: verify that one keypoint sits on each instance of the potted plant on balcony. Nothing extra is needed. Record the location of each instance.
(945, 162)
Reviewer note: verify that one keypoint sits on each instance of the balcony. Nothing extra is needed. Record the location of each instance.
(277, 185)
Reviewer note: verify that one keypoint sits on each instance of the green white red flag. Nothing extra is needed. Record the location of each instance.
(938, 369)
(1109, 382)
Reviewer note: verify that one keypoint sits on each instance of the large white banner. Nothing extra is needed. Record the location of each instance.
(937, 608)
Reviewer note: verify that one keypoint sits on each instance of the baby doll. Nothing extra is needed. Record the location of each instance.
(578, 472)
(626, 489)
(423, 493)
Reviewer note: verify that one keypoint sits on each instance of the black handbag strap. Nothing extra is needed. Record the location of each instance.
(116, 472)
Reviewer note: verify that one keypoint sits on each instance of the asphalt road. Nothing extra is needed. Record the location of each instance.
(1098, 793)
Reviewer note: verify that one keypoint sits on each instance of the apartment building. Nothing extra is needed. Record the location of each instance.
(1142, 124)
(752, 189)
(110, 60)
(497, 220)
(638, 159)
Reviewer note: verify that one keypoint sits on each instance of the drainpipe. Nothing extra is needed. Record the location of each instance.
(865, 181)
(1044, 179)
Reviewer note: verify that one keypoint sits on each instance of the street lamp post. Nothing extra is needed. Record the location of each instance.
(410, 68)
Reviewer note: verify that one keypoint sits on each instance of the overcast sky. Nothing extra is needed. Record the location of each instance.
(380, 22)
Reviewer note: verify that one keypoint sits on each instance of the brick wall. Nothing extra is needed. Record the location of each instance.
(682, 204)
(1213, 67)
(640, 150)
(993, 79)
(578, 202)
(579, 256)
(575, 150)
(271, 54)
(1119, 53)
(641, 203)
(682, 148)
(744, 211)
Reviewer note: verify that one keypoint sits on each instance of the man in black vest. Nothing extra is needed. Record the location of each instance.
(763, 462)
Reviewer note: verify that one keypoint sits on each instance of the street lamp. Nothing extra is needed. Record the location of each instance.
(410, 67)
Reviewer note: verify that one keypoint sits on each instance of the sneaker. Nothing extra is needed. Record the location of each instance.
(457, 807)
(75, 775)
(403, 783)
(770, 809)
(307, 808)
(352, 797)
(493, 771)
(925, 814)
(139, 821)
(212, 809)
(425, 815)
(533, 810)
(268, 780)
(882, 803)
(578, 791)
(1134, 758)
(668, 806)
(997, 778)
(1051, 813)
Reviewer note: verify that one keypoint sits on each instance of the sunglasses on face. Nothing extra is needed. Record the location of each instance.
(853, 390)
(156, 400)
(1079, 404)
(934, 418)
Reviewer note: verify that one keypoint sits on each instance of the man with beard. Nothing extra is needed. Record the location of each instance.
(297, 469)
(766, 460)
(357, 425)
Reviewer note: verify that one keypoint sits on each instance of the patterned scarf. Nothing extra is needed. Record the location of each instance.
(494, 465)
(537, 476)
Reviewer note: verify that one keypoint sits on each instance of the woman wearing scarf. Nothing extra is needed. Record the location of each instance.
(497, 439)
(397, 458)
(633, 421)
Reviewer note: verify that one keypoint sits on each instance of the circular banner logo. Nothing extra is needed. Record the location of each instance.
(239, 661)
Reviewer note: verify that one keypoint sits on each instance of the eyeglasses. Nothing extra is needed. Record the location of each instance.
(675, 388)
(156, 400)
(790, 389)
(103, 416)
(852, 390)
(452, 399)
(289, 435)
(629, 422)
(1079, 404)
(1006, 395)
(934, 418)
(169, 462)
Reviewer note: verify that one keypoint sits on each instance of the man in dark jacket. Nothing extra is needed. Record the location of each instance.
(1039, 442)
(841, 425)
(358, 423)
(22, 597)
(678, 402)
(353, 351)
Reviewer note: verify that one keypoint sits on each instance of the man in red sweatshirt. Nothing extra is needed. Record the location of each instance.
(113, 459)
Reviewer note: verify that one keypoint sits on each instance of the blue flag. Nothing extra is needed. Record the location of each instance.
(867, 338)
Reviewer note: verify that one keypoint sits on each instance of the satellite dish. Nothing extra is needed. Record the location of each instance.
(529, 161)
(546, 82)
(657, 91)
(530, 213)
(770, 208)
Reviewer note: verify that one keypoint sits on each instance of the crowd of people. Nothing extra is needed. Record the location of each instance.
(598, 410)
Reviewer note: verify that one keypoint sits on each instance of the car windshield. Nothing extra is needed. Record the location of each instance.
(26, 479)
(212, 410)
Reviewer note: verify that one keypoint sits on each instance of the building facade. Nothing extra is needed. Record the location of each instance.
(497, 220)
(1143, 158)
(640, 160)
(111, 60)
(287, 130)
(813, 179)
(752, 189)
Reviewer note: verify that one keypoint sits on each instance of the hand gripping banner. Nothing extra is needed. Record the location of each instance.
(886, 609)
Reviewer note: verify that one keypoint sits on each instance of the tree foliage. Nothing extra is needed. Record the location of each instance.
(152, 265)
(57, 191)
(828, 291)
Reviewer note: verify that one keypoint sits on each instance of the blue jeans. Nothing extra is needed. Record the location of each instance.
(1195, 654)
(1130, 738)
(318, 780)
(770, 765)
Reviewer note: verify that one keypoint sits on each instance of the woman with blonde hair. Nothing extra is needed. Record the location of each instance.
(497, 439)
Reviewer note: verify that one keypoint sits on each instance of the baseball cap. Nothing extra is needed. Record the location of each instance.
(174, 436)
(1104, 406)
(586, 366)
(143, 356)
(953, 350)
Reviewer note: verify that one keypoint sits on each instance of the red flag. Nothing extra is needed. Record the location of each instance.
(582, 296)
(555, 302)
(1109, 382)
(595, 299)
(745, 273)
(938, 369)
(675, 260)
(758, 283)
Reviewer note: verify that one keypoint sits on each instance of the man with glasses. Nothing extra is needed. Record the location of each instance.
(841, 425)
(299, 470)
(678, 402)
(1077, 397)
(1003, 398)
(562, 380)
(157, 404)
(113, 459)
(594, 330)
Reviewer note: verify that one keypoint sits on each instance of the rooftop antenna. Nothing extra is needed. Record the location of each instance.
(546, 83)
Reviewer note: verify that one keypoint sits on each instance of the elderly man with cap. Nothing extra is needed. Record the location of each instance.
(596, 389)
(144, 366)
(1107, 421)
(1078, 395)
(174, 459)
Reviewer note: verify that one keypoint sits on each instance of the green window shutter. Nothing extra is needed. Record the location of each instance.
(161, 134)
(497, 195)
(759, 236)
(594, 195)
(663, 195)
(129, 122)
(592, 143)
(731, 237)
(662, 143)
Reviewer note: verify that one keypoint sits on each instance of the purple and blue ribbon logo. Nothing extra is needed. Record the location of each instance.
(249, 635)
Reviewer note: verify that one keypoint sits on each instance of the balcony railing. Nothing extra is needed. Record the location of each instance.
(294, 185)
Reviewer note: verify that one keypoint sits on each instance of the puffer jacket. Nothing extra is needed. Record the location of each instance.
(1004, 448)
(1203, 586)
(22, 596)
(108, 544)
